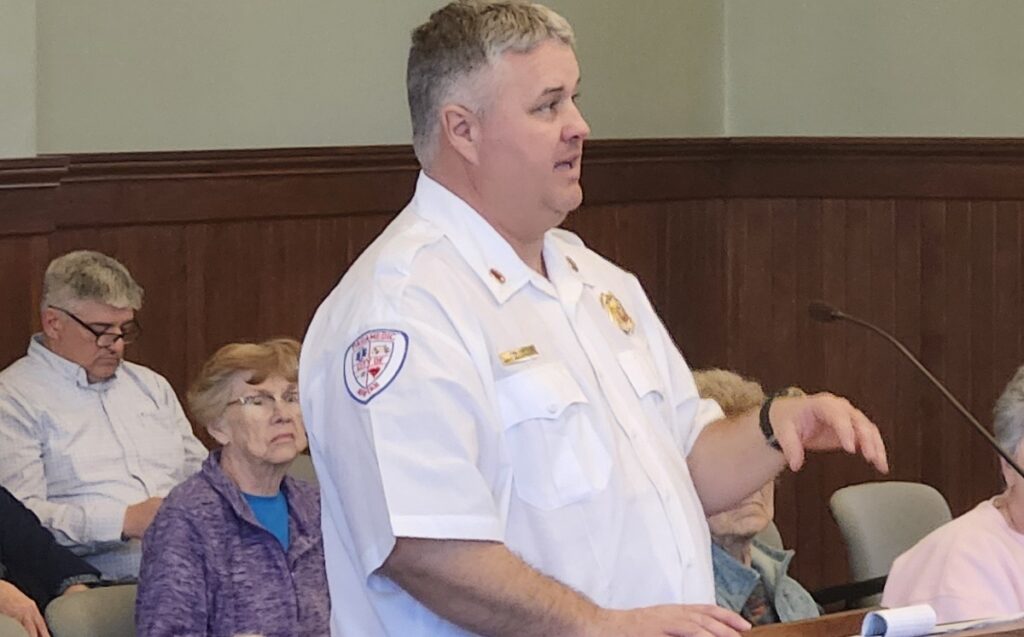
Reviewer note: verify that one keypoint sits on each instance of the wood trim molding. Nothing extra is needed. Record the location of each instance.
(34, 172)
(205, 164)
(105, 189)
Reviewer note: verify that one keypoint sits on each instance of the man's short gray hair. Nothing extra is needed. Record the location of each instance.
(1008, 421)
(456, 43)
(85, 275)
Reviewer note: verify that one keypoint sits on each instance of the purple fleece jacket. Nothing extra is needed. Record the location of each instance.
(209, 568)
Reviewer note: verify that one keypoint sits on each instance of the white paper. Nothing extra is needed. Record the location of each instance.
(943, 629)
(908, 621)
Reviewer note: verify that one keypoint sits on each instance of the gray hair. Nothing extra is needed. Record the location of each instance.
(459, 41)
(1008, 414)
(85, 275)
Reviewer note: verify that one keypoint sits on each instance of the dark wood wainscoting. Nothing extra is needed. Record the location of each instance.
(731, 237)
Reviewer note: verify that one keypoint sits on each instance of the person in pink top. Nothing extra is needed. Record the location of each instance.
(973, 567)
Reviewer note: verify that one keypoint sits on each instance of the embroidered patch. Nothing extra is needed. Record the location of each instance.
(372, 361)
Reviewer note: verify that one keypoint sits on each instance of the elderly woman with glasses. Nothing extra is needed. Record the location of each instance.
(236, 549)
(972, 567)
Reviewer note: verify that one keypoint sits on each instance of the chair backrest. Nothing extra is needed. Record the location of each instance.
(770, 536)
(100, 612)
(11, 628)
(881, 520)
(302, 468)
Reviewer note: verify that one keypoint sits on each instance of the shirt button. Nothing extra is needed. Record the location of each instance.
(552, 409)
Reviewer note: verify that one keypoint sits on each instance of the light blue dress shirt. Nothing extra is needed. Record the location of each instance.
(79, 453)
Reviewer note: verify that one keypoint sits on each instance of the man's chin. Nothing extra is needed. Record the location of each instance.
(103, 371)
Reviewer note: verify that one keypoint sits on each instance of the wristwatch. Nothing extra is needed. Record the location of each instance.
(766, 423)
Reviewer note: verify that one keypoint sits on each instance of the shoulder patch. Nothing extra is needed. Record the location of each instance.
(372, 361)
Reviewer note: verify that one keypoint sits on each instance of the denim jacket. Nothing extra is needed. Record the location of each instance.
(734, 582)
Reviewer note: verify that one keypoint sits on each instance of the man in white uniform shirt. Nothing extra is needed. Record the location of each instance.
(88, 441)
(508, 441)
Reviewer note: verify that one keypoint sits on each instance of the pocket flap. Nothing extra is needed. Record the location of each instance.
(542, 391)
(640, 371)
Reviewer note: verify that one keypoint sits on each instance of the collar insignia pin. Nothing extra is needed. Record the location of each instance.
(498, 276)
(617, 313)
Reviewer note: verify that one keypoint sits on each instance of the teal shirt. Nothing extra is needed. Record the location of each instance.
(272, 513)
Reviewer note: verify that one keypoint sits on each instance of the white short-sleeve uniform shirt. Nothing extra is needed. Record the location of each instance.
(452, 392)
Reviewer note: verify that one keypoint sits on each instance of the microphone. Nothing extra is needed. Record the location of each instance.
(825, 313)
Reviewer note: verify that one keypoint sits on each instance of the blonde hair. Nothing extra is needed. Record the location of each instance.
(86, 275)
(733, 393)
(210, 391)
(459, 41)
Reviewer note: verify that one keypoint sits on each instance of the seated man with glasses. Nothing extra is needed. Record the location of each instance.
(89, 442)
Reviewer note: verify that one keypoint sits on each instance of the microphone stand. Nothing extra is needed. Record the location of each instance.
(825, 313)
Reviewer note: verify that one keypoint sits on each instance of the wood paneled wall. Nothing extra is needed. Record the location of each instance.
(731, 237)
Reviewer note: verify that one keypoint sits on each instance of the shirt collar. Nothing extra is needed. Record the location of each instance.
(733, 580)
(70, 370)
(488, 254)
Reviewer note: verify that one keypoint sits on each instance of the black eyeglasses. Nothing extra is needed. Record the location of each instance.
(130, 331)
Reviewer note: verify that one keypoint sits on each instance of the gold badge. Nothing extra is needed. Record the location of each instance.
(514, 356)
(617, 313)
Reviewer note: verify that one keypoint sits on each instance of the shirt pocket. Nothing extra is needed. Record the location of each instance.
(638, 367)
(557, 457)
(160, 444)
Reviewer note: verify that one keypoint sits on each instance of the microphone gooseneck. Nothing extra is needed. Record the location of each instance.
(825, 313)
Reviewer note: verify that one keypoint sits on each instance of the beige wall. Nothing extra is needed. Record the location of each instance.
(874, 67)
(17, 78)
(117, 75)
(651, 68)
(154, 75)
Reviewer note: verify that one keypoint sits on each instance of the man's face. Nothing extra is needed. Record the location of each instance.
(531, 140)
(71, 340)
(748, 518)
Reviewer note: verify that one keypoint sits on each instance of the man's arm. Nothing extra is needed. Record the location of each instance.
(22, 473)
(821, 422)
(485, 588)
(33, 558)
(195, 452)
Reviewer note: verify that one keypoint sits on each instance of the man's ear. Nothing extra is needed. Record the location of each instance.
(460, 128)
(50, 319)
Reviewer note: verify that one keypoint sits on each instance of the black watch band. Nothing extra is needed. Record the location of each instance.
(766, 422)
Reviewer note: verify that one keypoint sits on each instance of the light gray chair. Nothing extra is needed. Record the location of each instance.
(100, 612)
(302, 468)
(881, 520)
(770, 536)
(11, 628)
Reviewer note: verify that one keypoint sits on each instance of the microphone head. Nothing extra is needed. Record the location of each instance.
(823, 312)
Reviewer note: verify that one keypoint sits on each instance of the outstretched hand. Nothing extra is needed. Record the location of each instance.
(825, 422)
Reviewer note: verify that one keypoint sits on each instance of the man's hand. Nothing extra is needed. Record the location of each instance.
(139, 516)
(824, 422)
(23, 610)
(674, 620)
